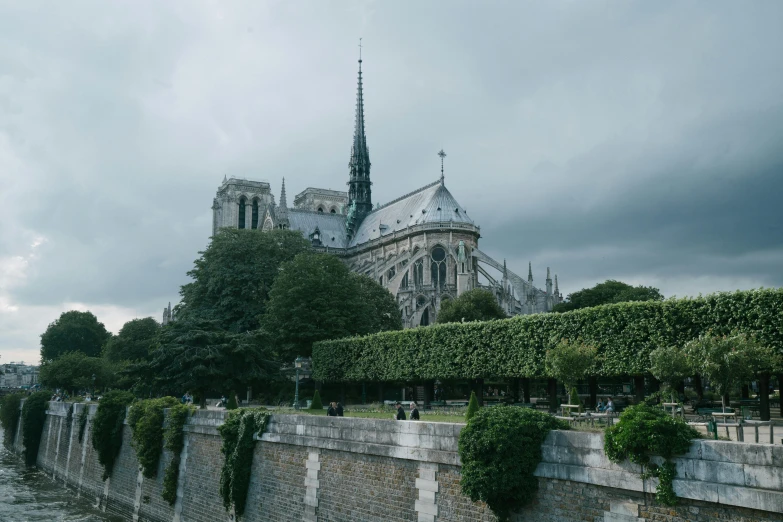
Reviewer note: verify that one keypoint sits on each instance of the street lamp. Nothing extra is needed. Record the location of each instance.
(93, 386)
(298, 366)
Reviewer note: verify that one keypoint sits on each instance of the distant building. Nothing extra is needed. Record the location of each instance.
(18, 375)
(423, 246)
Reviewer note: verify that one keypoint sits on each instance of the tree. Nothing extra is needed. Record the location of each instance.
(609, 291)
(670, 365)
(474, 305)
(473, 406)
(73, 331)
(233, 276)
(199, 356)
(568, 362)
(316, 297)
(133, 342)
(730, 360)
(74, 371)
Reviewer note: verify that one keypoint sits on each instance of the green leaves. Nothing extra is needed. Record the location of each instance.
(9, 416)
(500, 449)
(474, 305)
(623, 334)
(73, 331)
(145, 418)
(107, 428)
(568, 362)
(644, 431)
(33, 417)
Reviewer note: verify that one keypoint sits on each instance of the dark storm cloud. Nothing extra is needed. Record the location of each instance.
(633, 140)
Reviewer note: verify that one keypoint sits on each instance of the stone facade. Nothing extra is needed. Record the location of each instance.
(423, 246)
(343, 469)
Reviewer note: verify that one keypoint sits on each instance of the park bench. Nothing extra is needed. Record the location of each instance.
(707, 413)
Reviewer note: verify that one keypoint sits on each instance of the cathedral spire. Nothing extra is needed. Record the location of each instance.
(281, 212)
(530, 271)
(557, 290)
(283, 202)
(442, 157)
(359, 184)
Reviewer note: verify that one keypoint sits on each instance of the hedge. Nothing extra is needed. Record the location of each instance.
(624, 334)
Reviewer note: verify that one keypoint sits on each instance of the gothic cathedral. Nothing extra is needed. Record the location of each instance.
(422, 247)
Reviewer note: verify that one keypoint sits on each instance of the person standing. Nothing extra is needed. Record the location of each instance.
(414, 411)
(339, 410)
(332, 411)
(400, 412)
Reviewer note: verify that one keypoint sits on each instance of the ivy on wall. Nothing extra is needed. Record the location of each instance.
(107, 428)
(145, 418)
(9, 416)
(83, 422)
(237, 433)
(174, 442)
(33, 418)
(624, 335)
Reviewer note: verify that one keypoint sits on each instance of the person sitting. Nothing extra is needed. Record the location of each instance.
(609, 406)
(600, 406)
(332, 411)
(414, 411)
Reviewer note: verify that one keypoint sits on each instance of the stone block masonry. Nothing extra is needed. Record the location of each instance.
(308, 468)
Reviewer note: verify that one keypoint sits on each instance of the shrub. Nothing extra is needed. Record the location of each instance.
(9, 416)
(33, 418)
(316, 404)
(624, 335)
(473, 406)
(83, 422)
(145, 419)
(174, 441)
(500, 449)
(107, 428)
(237, 433)
(644, 431)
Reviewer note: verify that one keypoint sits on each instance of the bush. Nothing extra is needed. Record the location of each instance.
(500, 449)
(473, 406)
(174, 442)
(624, 334)
(237, 433)
(316, 404)
(83, 422)
(9, 416)
(644, 431)
(145, 419)
(107, 428)
(33, 418)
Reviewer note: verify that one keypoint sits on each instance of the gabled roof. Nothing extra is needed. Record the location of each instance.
(432, 203)
(331, 226)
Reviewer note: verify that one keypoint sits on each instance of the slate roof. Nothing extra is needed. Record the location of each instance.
(331, 226)
(432, 203)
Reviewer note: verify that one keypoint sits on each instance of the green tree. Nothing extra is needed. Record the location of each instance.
(201, 357)
(670, 365)
(316, 403)
(568, 362)
(473, 406)
(233, 277)
(609, 291)
(730, 360)
(474, 305)
(316, 297)
(73, 371)
(73, 331)
(133, 341)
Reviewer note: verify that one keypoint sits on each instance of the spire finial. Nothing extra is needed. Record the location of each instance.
(442, 156)
(283, 202)
(529, 270)
(360, 52)
(547, 273)
(557, 290)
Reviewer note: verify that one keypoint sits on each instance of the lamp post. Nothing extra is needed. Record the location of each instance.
(93, 386)
(298, 366)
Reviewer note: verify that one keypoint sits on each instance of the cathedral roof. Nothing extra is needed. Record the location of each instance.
(432, 203)
(331, 226)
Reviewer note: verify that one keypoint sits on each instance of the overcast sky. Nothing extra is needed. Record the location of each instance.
(640, 141)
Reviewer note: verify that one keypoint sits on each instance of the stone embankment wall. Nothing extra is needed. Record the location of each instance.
(343, 469)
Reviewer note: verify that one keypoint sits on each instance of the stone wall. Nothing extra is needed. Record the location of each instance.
(341, 469)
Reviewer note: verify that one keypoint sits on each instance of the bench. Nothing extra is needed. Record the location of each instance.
(706, 413)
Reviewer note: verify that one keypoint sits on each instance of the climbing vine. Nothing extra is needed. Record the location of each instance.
(174, 442)
(107, 428)
(83, 422)
(644, 431)
(237, 433)
(33, 418)
(145, 419)
(9, 416)
(500, 448)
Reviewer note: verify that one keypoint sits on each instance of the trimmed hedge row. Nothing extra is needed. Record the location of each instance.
(624, 334)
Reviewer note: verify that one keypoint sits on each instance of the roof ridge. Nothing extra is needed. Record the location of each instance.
(305, 211)
(430, 185)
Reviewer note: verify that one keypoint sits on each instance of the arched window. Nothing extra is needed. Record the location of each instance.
(425, 318)
(391, 274)
(321, 210)
(254, 219)
(438, 267)
(333, 211)
(418, 272)
(404, 283)
(242, 205)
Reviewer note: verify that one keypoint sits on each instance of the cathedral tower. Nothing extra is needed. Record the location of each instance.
(359, 184)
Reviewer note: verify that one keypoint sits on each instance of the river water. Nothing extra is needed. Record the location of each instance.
(31, 496)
